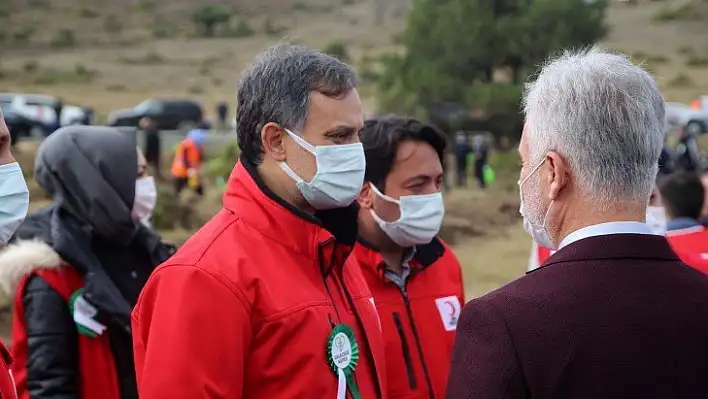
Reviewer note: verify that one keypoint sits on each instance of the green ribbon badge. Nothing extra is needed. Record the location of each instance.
(83, 314)
(343, 357)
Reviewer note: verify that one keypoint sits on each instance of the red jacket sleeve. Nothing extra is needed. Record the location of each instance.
(191, 334)
(484, 362)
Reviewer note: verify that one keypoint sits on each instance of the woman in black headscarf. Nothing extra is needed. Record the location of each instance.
(79, 265)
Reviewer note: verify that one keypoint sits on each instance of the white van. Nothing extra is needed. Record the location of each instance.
(40, 108)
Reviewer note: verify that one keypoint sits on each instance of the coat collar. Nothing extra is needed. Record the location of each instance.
(424, 256)
(254, 203)
(613, 246)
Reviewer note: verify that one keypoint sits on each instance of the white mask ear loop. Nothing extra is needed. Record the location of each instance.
(382, 195)
(301, 142)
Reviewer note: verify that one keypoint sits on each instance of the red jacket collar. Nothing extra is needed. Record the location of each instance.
(425, 256)
(254, 203)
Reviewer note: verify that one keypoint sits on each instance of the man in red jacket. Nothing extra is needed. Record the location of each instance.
(415, 278)
(14, 202)
(262, 301)
(683, 194)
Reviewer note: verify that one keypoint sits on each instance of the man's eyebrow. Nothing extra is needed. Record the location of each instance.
(342, 129)
(419, 177)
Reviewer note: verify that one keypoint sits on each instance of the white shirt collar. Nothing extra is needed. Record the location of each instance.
(606, 229)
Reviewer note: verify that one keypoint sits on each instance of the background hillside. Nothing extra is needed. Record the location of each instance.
(113, 54)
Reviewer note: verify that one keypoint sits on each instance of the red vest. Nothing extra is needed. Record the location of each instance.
(7, 382)
(98, 376)
(691, 245)
(539, 254)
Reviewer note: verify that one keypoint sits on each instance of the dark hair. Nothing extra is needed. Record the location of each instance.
(682, 194)
(276, 88)
(381, 138)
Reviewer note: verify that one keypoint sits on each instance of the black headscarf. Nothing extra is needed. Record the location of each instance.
(90, 172)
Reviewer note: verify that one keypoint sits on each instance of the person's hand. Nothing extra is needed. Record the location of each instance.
(5, 154)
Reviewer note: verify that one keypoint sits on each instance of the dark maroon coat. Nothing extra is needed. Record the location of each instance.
(616, 316)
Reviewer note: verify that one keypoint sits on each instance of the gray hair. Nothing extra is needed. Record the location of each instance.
(276, 88)
(605, 115)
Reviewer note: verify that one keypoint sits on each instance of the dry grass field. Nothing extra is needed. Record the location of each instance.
(114, 54)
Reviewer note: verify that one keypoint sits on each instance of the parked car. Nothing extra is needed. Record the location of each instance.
(41, 108)
(693, 117)
(167, 114)
(18, 124)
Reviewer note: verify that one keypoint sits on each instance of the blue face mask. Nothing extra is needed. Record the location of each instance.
(340, 174)
(14, 200)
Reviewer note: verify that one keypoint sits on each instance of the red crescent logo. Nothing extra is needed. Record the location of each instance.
(453, 310)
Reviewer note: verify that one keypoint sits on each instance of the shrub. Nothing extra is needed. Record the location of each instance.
(221, 164)
(30, 66)
(88, 12)
(112, 25)
(685, 50)
(270, 29)
(152, 57)
(145, 5)
(695, 60)
(242, 29)
(63, 39)
(195, 89)
(79, 75)
(208, 16)
(166, 209)
(681, 80)
(24, 34)
(337, 49)
(42, 4)
(684, 12)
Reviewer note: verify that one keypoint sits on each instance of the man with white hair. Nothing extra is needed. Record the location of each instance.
(613, 313)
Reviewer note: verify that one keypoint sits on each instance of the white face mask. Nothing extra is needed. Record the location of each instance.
(420, 220)
(14, 200)
(145, 198)
(656, 219)
(539, 233)
(340, 174)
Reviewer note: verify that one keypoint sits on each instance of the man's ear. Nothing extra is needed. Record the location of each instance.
(557, 175)
(272, 136)
(365, 197)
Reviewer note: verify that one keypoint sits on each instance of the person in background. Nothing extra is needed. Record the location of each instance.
(666, 161)
(462, 149)
(481, 153)
(264, 301)
(222, 111)
(683, 195)
(58, 108)
(146, 201)
(77, 266)
(14, 202)
(704, 211)
(88, 116)
(614, 313)
(153, 145)
(187, 163)
(415, 278)
(688, 156)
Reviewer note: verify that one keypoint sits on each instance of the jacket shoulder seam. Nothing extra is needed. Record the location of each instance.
(216, 275)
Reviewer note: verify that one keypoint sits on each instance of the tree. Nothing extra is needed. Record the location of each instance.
(208, 16)
(454, 47)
